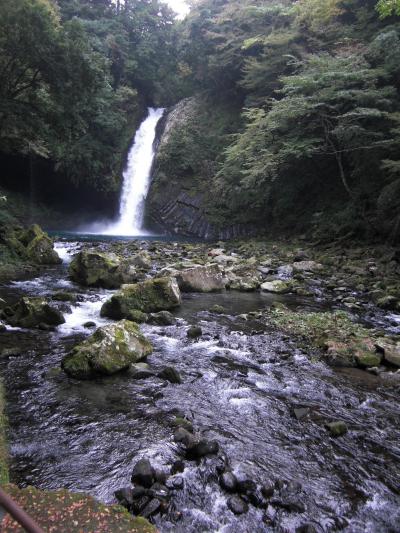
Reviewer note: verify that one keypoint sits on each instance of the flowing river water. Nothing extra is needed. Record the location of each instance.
(240, 386)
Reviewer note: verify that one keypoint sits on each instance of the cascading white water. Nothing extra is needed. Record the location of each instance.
(137, 178)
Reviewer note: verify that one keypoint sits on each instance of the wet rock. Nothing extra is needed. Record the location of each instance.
(268, 489)
(124, 497)
(194, 332)
(301, 412)
(170, 374)
(141, 373)
(246, 486)
(237, 505)
(31, 312)
(89, 324)
(143, 473)
(110, 349)
(183, 422)
(138, 492)
(290, 503)
(218, 309)
(228, 481)
(185, 437)
(152, 508)
(337, 429)
(3, 328)
(202, 448)
(159, 490)
(176, 483)
(96, 269)
(162, 318)
(277, 286)
(206, 278)
(177, 467)
(148, 296)
(137, 316)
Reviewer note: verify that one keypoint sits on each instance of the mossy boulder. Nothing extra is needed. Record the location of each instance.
(39, 246)
(31, 244)
(96, 269)
(32, 312)
(206, 278)
(391, 351)
(109, 350)
(277, 286)
(149, 296)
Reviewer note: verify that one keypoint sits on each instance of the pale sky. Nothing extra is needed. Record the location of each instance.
(180, 6)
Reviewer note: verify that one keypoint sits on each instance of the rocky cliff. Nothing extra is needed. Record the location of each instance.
(180, 199)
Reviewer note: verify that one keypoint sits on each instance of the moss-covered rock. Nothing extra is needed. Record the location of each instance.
(32, 312)
(39, 246)
(96, 269)
(61, 510)
(110, 349)
(277, 286)
(20, 246)
(148, 296)
(343, 342)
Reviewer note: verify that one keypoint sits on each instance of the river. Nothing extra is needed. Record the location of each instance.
(241, 384)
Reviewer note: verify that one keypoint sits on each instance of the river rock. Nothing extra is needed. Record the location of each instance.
(218, 309)
(277, 286)
(96, 269)
(124, 497)
(237, 505)
(162, 318)
(307, 266)
(206, 278)
(170, 374)
(337, 429)
(194, 332)
(142, 260)
(110, 349)
(148, 296)
(202, 448)
(365, 353)
(31, 312)
(228, 481)
(143, 473)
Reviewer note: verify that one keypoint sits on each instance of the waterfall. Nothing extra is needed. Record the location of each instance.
(137, 178)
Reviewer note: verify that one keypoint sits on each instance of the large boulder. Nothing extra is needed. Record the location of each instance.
(30, 244)
(148, 296)
(96, 269)
(39, 246)
(32, 312)
(110, 349)
(206, 278)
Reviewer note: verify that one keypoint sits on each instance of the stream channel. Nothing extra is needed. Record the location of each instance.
(240, 386)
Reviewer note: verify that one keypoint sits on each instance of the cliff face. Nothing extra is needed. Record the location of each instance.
(180, 200)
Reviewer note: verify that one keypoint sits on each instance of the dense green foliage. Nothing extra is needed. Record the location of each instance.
(75, 76)
(319, 86)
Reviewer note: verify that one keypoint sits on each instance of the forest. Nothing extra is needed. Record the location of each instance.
(299, 119)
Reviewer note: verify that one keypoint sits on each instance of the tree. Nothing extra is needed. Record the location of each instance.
(388, 7)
